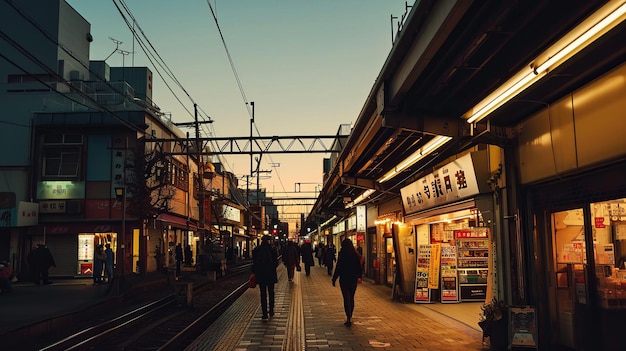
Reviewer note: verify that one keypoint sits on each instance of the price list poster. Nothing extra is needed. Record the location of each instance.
(422, 293)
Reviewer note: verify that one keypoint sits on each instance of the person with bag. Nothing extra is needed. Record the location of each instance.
(264, 263)
(349, 272)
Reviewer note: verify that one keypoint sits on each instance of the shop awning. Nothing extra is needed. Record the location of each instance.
(179, 222)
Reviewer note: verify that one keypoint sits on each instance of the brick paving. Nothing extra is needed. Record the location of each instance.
(309, 316)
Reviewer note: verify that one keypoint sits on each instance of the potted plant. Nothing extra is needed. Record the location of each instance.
(493, 322)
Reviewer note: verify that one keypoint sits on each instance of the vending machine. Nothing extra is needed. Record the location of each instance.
(473, 263)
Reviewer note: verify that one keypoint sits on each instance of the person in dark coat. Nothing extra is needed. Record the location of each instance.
(41, 260)
(264, 263)
(178, 253)
(349, 272)
(291, 258)
(307, 257)
(188, 256)
(319, 253)
(329, 258)
(109, 261)
(99, 264)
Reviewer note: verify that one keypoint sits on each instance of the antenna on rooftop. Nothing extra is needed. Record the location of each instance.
(117, 45)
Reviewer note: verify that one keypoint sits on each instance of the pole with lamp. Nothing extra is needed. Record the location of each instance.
(120, 193)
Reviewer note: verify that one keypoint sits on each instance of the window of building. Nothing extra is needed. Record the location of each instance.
(180, 176)
(61, 155)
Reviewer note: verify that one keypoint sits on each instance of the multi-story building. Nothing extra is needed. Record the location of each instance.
(82, 166)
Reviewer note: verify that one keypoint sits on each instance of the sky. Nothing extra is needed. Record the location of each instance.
(308, 66)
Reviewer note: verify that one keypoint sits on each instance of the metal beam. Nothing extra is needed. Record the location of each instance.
(361, 183)
(256, 145)
(431, 125)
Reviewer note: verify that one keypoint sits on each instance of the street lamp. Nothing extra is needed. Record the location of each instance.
(120, 193)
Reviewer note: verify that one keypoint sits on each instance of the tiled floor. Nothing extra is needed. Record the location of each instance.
(310, 316)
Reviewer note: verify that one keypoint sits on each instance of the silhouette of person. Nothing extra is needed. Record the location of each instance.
(307, 257)
(41, 260)
(291, 259)
(188, 255)
(99, 262)
(348, 271)
(329, 258)
(264, 263)
(179, 258)
(109, 259)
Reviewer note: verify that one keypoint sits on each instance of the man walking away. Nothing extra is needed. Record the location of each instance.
(264, 263)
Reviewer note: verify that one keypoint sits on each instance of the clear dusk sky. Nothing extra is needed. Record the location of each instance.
(308, 65)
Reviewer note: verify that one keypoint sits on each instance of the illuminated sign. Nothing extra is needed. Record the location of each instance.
(452, 182)
(231, 213)
(52, 190)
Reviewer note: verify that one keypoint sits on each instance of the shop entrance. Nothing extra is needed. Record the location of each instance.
(390, 261)
(590, 289)
(568, 238)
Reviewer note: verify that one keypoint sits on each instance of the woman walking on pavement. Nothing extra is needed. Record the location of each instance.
(348, 271)
(264, 263)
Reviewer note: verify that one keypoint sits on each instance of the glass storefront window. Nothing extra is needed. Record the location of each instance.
(609, 238)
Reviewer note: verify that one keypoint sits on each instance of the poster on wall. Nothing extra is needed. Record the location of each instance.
(422, 293)
(523, 326)
(449, 283)
(433, 267)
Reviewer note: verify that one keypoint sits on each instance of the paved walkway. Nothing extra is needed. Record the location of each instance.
(309, 316)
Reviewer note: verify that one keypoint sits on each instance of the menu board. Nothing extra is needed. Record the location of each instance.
(449, 289)
(422, 293)
(523, 326)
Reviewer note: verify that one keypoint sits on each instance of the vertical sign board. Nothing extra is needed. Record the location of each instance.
(449, 283)
(422, 293)
(433, 267)
(523, 326)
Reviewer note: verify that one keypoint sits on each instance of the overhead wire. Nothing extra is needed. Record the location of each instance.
(237, 79)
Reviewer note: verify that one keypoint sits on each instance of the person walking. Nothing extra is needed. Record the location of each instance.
(108, 262)
(329, 258)
(319, 253)
(291, 258)
(349, 272)
(179, 258)
(264, 263)
(307, 257)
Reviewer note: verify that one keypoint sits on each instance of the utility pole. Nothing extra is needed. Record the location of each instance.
(200, 174)
(251, 175)
(201, 231)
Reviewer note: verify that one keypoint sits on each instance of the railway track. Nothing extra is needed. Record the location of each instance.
(162, 323)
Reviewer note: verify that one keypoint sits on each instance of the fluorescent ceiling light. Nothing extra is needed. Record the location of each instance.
(602, 21)
(427, 149)
(360, 198)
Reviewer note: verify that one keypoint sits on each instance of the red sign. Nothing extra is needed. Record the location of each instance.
(86, 268)
(599, 222)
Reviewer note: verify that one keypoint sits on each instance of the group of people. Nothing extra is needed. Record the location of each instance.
(103, 264)
(348, 270)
